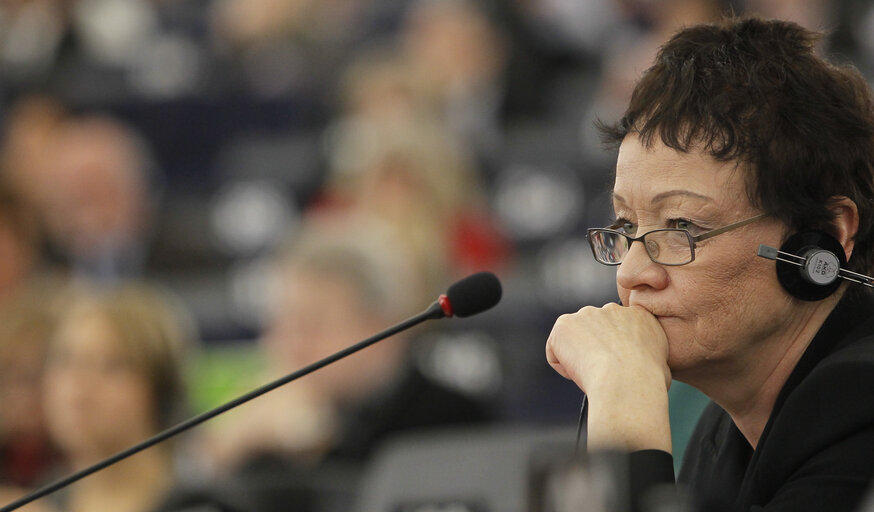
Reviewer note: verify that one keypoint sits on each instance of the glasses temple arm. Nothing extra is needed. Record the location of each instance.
(723, 229)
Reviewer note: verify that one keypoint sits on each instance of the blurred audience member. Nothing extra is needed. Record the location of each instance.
(20, 241)
(282, 47)
(381, 85)
(31, 31)
(248, 23)
(340, 281)
(26, 324)
(630, 51)
(113, 379)
(413, 175)
(811, 14)
(460, 56)
(29, 129)
(98, 205)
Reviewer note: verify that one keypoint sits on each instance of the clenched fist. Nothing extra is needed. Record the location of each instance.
(618, 355)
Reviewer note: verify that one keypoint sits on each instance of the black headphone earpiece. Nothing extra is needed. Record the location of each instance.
(817, 277)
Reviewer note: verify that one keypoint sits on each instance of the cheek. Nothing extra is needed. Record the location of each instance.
(132, 397)
(116, 405)
(61, 394)
(724, 310)
(723, 283)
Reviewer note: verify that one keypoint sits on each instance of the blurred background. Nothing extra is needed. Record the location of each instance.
(297, 174)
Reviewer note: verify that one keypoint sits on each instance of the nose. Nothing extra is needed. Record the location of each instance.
(638, 270)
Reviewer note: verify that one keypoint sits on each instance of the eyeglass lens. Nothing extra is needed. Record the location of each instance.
(669, 247)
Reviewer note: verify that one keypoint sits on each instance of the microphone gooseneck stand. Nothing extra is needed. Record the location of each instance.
(435, 311)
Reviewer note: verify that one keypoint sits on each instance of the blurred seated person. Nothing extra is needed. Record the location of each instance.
(380, 84)
(97, 204)
(29, 126)
(289, 47)
(112, 379)
(645, 27)
(412, 174)
(20, 241)
(339, 281)
(27, 321)
(460, 55)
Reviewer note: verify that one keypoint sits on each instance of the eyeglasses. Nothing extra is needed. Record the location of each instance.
(669, 246)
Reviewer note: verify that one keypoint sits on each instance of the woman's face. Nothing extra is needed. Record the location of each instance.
(719, 310)
(96, 401)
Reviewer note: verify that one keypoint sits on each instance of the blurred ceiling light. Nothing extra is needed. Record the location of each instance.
(113, 30)
(570, 277)
(252, 288)
(536, 203)
(467, 361)
(249, 216)
(168, 67)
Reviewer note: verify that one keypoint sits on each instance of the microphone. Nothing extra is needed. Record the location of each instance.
(472, 295)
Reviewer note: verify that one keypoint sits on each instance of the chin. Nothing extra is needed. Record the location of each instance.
(680, 357)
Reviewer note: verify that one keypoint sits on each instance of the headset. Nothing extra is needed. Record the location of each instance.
(810, 265)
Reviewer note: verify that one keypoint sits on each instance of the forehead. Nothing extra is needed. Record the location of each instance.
(649, 177)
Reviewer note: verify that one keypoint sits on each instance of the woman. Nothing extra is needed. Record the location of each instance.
(339, 281)
(739, 126)
(26, 323)
(112, 379)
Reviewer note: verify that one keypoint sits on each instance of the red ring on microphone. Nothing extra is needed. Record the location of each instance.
(445, 305)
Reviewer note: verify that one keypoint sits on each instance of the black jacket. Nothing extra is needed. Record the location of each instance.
(816, 452)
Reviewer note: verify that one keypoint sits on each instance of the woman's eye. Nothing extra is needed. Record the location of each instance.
(626, 226)
(685, 224)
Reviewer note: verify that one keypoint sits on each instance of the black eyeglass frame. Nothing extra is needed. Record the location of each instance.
(693, 240)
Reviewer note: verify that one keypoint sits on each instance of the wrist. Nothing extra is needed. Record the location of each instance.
(629, 419)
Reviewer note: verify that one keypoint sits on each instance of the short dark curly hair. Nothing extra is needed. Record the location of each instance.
(755, 92)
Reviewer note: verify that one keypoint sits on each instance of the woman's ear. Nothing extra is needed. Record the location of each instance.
(845, 222)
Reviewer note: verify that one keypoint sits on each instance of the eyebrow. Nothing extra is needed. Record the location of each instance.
(661, 196)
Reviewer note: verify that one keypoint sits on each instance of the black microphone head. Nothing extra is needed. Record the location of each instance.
(474, 294)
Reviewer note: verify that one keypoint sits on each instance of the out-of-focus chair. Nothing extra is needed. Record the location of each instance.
(461, 470)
